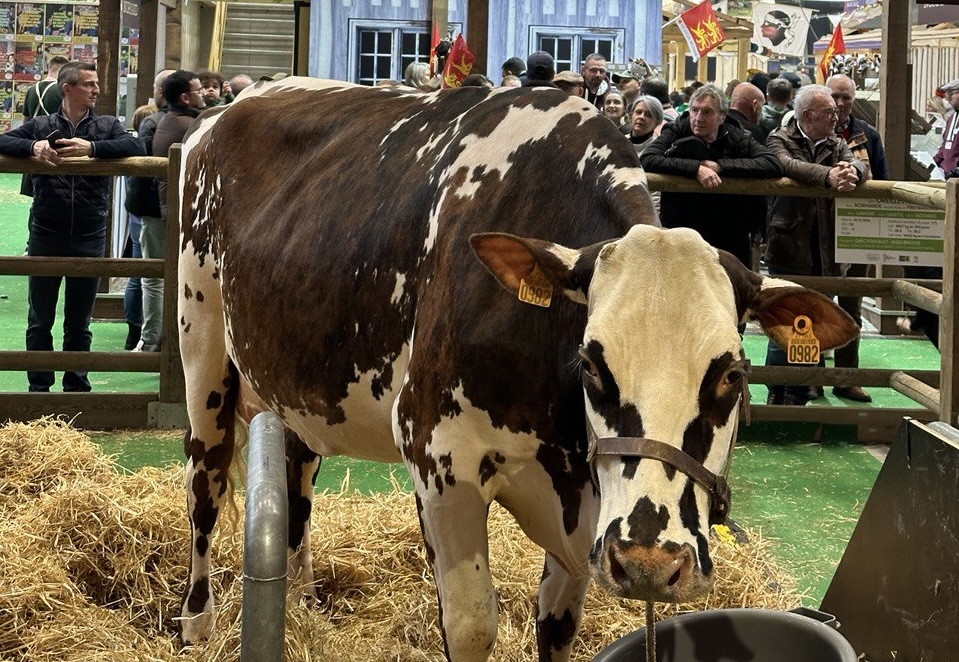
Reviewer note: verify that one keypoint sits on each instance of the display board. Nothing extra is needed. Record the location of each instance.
(33, 32)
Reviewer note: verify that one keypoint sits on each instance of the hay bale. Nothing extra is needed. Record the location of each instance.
(93, 561)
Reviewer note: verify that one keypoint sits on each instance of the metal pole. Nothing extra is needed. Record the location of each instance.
(265, 543)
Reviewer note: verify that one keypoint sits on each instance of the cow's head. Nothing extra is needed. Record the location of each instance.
(661, 360)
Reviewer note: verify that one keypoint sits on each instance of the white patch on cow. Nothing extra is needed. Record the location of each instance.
(521, 483)
(626, 178)
(367, 431)
(594, 153)
(398, 289)
(494, 153)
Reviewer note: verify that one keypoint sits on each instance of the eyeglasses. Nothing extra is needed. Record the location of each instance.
(828, 113)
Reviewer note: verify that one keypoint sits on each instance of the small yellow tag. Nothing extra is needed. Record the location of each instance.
(536, 289)
(803, 346)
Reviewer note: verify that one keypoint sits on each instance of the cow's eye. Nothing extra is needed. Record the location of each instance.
(588, 369)
(733, 377)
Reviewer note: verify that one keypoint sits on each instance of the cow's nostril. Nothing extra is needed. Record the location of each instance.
(675, 578)
(616, 570)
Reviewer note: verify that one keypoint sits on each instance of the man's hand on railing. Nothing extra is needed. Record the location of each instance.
(43, 152)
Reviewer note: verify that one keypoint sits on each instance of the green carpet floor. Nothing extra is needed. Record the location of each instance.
(805, 496)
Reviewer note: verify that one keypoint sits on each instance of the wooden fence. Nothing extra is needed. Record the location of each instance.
(936, 393)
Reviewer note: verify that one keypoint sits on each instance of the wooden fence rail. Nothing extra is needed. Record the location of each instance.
(936, 392)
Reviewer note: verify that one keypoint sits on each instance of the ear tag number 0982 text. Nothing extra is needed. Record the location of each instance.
(803, 346)
(535, 288)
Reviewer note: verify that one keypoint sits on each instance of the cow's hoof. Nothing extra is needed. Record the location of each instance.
(195, 628)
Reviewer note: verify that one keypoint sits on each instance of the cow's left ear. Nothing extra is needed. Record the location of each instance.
(776, 304)
(510, 259)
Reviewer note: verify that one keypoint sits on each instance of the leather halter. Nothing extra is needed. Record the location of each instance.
(714, 484)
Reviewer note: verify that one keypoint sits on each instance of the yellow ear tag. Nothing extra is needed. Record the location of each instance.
(803, 346)
(535, 288)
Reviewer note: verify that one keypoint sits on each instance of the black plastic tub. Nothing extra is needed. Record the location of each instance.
(735, 635)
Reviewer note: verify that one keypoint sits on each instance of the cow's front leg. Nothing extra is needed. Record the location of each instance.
(302, 465)
(559, 611)
(454, 529)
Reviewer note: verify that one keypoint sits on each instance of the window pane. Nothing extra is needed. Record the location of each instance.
(367, 41)
(410, 43)
(366, 70)
(564, 50)
(548, 44)
(384, 45)
(384, 69)
(605, 46)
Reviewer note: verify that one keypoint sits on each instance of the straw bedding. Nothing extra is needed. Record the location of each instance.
(93, 560)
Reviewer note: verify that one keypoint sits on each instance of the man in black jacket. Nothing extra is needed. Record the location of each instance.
(701, 144)
(69, 212)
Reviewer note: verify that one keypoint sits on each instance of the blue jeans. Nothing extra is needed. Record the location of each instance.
(133, 294)
(43, 292)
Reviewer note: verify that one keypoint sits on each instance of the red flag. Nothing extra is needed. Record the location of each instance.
(701, 28)
(459, 62)
(433, 44)
(836, 47)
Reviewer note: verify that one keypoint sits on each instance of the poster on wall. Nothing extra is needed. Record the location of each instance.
(8, 15)
(29, 22)
(29, 60)
(6, 100)
(85, 18)
(20, 96)
(8, 58)
(59, 24)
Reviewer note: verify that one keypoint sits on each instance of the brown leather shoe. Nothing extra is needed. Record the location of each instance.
(851, 393)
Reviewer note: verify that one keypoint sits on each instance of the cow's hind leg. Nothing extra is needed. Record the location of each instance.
(559, 611)
(454, 528)
(302, 465)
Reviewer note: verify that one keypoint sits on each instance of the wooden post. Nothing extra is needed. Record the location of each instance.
(172, 387)
(895, 82)
(108, 63)
(948, 338)
(679, 82)
(477, 23)
(702, 69)
(742, 59)
(146, 70)
(440, 16)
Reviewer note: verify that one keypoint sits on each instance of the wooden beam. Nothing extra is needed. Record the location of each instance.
(742, 59)
(108, 61)
(172, 383)
(477, 23)
(948, 338)
(895, 80)
(146, 68)
(84, 410)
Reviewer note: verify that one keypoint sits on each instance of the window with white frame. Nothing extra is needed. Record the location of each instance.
(569, 46)
(381, 50)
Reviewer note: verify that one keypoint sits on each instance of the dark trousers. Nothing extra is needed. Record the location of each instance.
(847, 356)
(79, 296)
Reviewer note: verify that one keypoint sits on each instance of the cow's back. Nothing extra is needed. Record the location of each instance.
(339, 238)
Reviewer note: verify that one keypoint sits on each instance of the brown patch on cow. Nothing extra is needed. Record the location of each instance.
(199, 296)
(187, 292)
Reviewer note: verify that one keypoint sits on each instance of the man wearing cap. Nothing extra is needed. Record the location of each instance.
(947, 157)
(627, 83)
(540, 70)
(570, 82)
(594, 73)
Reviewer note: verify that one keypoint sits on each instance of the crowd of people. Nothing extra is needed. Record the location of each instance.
(766, 127)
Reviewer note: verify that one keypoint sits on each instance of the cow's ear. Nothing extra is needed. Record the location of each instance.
(779, 303)
(776, 304)
(510, 259)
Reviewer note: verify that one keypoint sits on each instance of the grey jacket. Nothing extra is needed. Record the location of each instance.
(793, 221)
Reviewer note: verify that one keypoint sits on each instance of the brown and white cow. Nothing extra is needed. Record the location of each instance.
(330, 236)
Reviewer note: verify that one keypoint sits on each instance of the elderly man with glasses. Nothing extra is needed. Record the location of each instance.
(801, 231)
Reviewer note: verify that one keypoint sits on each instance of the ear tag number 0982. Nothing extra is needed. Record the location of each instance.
(535, 288)
(803, 346)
